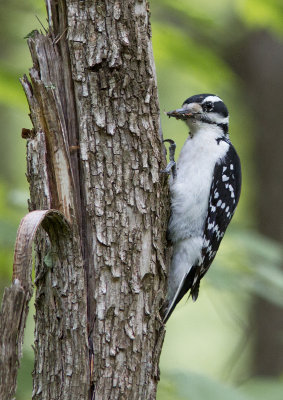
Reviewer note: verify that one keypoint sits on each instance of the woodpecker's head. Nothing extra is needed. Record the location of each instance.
(201, 111)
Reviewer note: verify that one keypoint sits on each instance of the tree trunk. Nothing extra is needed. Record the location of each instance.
(268, 84)
(95, 155)
(260, 63)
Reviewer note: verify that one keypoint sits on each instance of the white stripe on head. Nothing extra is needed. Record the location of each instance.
(212, 99)
(218, 119)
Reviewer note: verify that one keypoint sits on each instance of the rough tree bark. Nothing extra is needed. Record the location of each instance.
(95, 155)
(14, 308)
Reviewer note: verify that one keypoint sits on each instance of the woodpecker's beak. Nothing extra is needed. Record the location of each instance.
(180, 114)
(186, 112)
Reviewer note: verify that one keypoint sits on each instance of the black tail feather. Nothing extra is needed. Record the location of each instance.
(187, 285)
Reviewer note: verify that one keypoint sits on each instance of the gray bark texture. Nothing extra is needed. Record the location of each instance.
(95, 155)
(15, 301)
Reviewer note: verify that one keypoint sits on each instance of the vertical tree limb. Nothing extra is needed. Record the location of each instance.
(264, 86)
(16, 300)
(96, 156)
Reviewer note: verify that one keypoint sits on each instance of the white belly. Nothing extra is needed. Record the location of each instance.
(190, 189)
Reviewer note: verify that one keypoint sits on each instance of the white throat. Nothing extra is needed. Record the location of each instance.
(198, 127)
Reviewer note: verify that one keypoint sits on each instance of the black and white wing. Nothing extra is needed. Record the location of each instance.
(223, 199)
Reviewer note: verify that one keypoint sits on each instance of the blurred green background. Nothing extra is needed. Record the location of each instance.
(229, 344)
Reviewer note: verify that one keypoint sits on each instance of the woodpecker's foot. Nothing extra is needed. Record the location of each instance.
(172, 164)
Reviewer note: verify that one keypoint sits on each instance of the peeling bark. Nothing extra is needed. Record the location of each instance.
(15, 302)
(96, 156)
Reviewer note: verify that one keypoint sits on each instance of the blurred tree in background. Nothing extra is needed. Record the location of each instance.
(229, 344)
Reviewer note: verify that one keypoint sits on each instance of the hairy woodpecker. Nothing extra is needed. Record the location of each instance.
(205, 187)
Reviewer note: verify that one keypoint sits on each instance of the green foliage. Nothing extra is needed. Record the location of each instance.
(259, 14)
(196, 15)
(251, 263)
(168, 390)
(11, 93)
(178, 385)
(25, 377)
(172, 45)
(192, 386)
(260, 389)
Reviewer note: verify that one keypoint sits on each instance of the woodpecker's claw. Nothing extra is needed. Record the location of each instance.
(172, 164)
(172, 143)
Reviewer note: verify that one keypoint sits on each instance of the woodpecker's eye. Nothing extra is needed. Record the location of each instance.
(208, 106)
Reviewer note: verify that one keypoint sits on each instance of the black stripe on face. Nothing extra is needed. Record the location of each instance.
(224, 127)
(220, 108)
